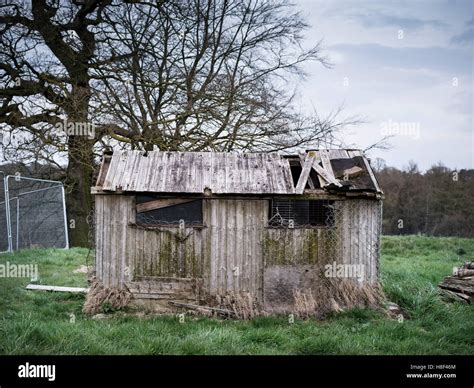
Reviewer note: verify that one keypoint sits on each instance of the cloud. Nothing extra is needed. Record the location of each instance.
(440, 59)
(406, 80)
(467, 36)
(379, 19)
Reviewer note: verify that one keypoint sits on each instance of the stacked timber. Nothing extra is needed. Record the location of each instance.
(460, 286)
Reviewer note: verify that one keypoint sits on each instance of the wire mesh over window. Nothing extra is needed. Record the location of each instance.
(301, 213)
(189, 212)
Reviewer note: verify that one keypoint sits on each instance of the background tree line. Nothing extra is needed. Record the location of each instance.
(438, 202)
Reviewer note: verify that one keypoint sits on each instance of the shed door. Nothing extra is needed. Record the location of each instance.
(235, 245)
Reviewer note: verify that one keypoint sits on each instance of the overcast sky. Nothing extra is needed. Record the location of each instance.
(405, 67)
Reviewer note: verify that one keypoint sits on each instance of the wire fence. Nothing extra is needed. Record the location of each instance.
(32, 214)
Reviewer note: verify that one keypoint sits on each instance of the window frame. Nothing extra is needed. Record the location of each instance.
(165, 224)
(299, 226)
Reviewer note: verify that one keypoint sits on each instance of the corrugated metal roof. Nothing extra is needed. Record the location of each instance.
(231, 173)
(193, 172)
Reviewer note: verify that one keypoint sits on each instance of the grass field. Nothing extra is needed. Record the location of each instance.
(33, 322)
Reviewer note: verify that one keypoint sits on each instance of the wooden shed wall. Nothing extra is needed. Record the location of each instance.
(360, 236)
(235, 235)
(234, 249)
(226, 254)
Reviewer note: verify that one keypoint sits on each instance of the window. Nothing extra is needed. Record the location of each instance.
(168, 211)
(298, 213)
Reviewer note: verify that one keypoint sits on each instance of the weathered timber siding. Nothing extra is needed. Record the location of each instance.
(226, 253)
(114, 239)
(299, 246)
(295, 258)
(221, 172)
(125, 252)
(234, 251)
(361, 232)
(235, 245)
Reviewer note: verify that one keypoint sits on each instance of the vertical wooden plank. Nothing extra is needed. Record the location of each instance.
(146, 253)
(115, 240)
(354, 232)
(139, 253)
(363, 257)
(286, 172)
(256, 230)
(214, 254)
(263, 220)
(345, 231)
(124, 206)
(239, 282)
(164, 254)
(379, 235)
(158, 175)
(372, 232)
(131, 241)
(108, 220)
(151, 244)
(251, 255)
(140, 175)
(231, 252)
(247, 253)
(206, 247)
(106, 239)
(99, 232)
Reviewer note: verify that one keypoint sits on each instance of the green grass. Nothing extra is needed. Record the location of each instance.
(34, 322)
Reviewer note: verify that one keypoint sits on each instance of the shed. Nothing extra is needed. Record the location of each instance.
(194, 226)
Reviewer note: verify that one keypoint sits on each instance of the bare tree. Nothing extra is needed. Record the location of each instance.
(173, 75)
(209, 75)
(47, 51)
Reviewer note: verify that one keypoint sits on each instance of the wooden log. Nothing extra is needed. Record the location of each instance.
(469, 265)
(456, 296)
(461, 272)
(464, 285)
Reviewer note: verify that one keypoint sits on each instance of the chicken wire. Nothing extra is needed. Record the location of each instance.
(32, 214)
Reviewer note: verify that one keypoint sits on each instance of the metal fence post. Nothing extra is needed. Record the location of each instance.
(66, 233)
(7, 207)
(17, 221)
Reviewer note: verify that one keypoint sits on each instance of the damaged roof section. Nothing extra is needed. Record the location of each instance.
(333, 171)
(337, 171)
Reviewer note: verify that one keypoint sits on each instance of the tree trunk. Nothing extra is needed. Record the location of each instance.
(79, 182)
